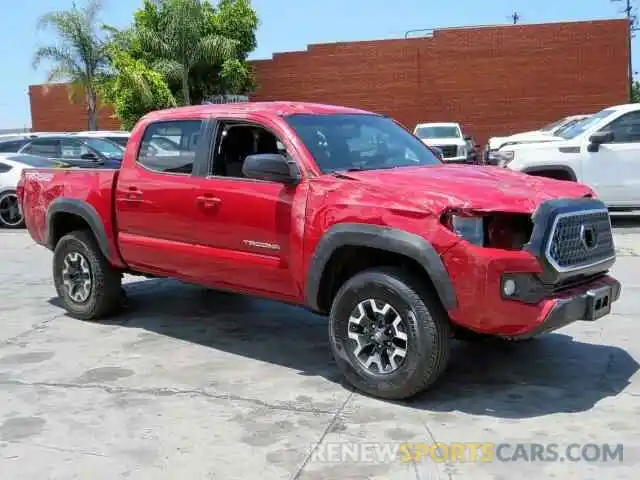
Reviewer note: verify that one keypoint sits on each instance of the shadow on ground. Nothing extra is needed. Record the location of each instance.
(550, 375)
(625, 220)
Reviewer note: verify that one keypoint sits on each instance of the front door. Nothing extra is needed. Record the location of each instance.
(246, 224)
(156, 202)
(614, 170)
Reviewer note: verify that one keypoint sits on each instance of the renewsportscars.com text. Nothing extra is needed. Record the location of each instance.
(467, 452)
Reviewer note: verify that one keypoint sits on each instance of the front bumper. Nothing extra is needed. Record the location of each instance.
(587, 303)
(482, 308)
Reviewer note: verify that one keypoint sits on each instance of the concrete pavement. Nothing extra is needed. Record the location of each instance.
(194, 384)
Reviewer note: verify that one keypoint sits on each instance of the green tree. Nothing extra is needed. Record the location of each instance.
(182, 41)
(233, 21)
(635, 92)
(133, 89)
(79, 56)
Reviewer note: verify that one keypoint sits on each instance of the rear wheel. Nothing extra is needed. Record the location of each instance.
(389, 334)
(10, 213)
(85, 281)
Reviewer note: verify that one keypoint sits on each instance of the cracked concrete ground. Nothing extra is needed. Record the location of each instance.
(194, 384)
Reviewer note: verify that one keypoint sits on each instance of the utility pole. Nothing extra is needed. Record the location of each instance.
(628, 10)
(515, 16)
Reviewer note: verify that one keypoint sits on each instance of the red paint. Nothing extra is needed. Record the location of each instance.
(195, 228)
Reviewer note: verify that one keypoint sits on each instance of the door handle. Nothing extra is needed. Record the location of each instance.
(207, 201)
(133, 194)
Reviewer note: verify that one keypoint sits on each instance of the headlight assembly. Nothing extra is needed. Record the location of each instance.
(468, 228)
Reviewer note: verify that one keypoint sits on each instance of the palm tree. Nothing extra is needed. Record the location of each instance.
(183, 42)
(80, 55)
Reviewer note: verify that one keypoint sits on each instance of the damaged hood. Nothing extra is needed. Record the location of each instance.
(469, 187)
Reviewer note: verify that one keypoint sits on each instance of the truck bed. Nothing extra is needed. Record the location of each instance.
(39, 188)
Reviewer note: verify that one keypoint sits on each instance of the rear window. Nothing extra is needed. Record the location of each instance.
(183, 136)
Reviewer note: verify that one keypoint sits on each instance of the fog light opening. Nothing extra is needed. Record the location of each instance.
(509, 287)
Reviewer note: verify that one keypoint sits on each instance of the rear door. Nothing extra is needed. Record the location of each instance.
(614, 170)
(156, 204)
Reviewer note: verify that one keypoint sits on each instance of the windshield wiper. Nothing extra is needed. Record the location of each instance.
(343, 172)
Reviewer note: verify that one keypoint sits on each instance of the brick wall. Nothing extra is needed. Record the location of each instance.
(52, 111)
(494, 80)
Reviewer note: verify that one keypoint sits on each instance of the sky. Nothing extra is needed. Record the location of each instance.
(285, 25)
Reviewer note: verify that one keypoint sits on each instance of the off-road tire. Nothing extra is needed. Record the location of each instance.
(105, 296)
(428, 333)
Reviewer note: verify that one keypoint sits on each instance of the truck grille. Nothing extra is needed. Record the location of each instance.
(580, 239)
(448, 151)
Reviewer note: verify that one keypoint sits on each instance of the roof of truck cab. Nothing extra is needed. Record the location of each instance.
(274, 108)
(438, 124)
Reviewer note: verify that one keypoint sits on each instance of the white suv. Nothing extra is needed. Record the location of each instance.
(547, 133)
(602, 152)
(447, 138)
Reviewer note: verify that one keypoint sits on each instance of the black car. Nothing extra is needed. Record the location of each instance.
(84, 152)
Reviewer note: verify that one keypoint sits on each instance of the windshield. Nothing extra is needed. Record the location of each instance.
(426, 133)
(359, 142)
(551, 126)
(579, 127)
(106, 148)
(569, 125)
(122, 141)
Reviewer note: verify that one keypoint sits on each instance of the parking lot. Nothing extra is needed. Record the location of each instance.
(195, 384)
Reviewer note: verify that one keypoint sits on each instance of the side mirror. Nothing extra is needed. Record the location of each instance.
(89, 156)
(598, 139)
(468, 138)
(437, 152)
(271, 166)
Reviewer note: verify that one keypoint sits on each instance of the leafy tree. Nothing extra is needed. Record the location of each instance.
(635, 92)
(79, 57)
(232, 23)
(133, 89)
(183, 41)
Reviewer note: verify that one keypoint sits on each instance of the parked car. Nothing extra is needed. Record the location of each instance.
(602, 151)
(159, 145)
(545, 134)
(447, 137)
(293, 202)
(473, 155)
(85, 152)
(117, 136)
(11, 167)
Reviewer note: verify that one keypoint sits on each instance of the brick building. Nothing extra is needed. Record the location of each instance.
(494, 80)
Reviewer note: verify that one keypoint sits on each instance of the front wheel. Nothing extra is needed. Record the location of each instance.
(88, 285)
(389, 334)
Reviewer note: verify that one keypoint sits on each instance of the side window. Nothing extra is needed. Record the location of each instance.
(45, 148)
(170, 147)
(626, 129)
(236, 142)
(12, 147)
(73, 149)
(4, 167)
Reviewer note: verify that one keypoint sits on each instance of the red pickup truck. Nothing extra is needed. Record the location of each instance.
(338, 210)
